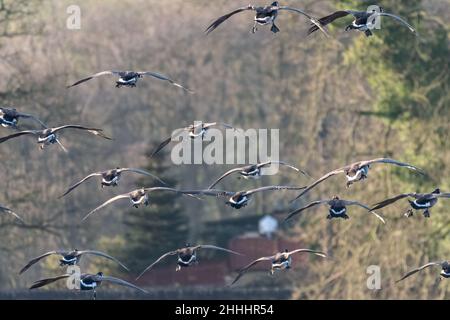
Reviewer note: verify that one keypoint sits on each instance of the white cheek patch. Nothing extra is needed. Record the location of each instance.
(447, 274)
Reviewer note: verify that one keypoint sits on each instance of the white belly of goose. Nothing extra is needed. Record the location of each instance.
(141, 200)
(47, 139)
(191, 260)
(89, 285)
(69, 260)
(338, 213)
(112, 181)
(195, 135)
(123, 81)
(281, 265)
(243, 200)
(425, 205)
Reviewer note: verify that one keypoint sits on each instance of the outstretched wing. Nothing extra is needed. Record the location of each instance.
(247, 267)
(170, 253)
(94, 131)
(29, 116)
(44, 282)
(389, 201)
(328, 19)
(120, 282)
(312, 19)
(410, 273)
(207, 246)
(214, 124)
(312, 204)
(224, 175)
(37, 259)
(210, 192)
(391, 161)
(140, 171)
(18, 134)
(167, 141)
(164, 78)
(356, 203)
(122, 196)
(271, 188)
(7, 210)
(317, 253)
(80, 182)
(220, 20)
(325, 177)
(104, 255)
(103, 73)
(402, 21)
(261, 165)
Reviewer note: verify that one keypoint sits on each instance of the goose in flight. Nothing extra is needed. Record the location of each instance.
(187, 256)
(9, 118)
(254, 171)
(337, 208)
(111, 177)
(49, 136)
(70, 258)
(130, 78)
(263, 16)
(279, 261)
(364, 21)
(445, 272)
(240, 199)
(9, 211)
(87, 282)
(422, 201)
(195, 130)
(136, 197)
(358, 171)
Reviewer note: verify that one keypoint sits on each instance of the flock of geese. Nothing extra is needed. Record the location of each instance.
(187, 256)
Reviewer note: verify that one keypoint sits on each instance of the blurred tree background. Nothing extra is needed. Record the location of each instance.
(335, 100)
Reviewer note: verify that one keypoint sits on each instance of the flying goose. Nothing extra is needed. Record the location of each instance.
(137, 197)
(187, 256)
(358, 171)
(279, 261)
(130, 78)
(111, 177)
(195, 131)
(70, 258)
(263, 16)
(338, 208)
(363, 21)
(422, 201)
(9, 118)
(254, 171)
(48, 136)
(239, 199)
(445, 272)
(6, 210)
(87, 282)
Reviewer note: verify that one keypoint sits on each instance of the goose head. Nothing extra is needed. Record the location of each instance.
(335, 197)
(275, 4)
(437, 191)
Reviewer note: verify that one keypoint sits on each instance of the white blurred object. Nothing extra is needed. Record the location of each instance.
(268, 225)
